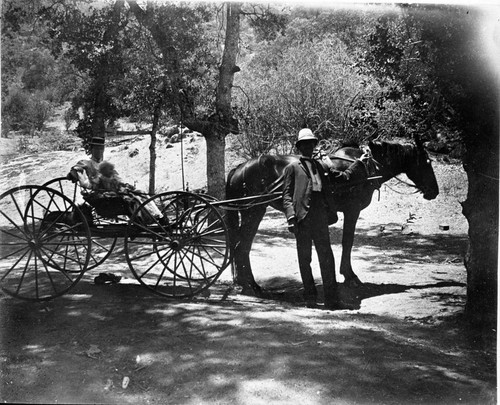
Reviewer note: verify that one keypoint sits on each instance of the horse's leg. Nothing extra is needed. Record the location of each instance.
(232, 221)
(250, 220)
(350, 219)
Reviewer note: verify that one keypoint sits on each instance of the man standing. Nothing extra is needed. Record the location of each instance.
(309, 209)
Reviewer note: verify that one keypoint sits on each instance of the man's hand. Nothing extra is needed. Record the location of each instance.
(292, 225)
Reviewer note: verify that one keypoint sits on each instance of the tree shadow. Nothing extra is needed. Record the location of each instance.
(79, 347)
(387, 254)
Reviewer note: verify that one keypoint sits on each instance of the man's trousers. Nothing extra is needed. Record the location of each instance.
(314, 228)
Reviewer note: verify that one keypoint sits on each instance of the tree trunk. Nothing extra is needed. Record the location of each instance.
(477, 105)
(216, 144)
(152, 149)
(481, 211)
(103, 80)
(224, 122)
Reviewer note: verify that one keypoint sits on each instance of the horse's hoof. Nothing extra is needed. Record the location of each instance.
(353, 283)
(251, 291)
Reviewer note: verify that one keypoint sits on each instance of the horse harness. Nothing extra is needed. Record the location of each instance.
(272, 190)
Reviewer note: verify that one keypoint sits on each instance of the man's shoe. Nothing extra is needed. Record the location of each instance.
(311, 298)
(339, 305)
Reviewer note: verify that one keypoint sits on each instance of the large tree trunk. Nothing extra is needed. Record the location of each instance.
(216, 165)
(476, 102)
(481, 211)
(480, 113)
(224, 122)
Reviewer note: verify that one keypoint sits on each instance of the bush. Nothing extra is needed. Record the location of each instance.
(22, 111)
(70, 118)
(14, 109)
(312, 84)
(47, 141)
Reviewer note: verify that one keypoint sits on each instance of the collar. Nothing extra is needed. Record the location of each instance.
(305, 159)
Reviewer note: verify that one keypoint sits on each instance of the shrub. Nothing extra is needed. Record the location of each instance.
(26, 112)
(70, 118)
(311, 84)
(46, 141)
(15, 109)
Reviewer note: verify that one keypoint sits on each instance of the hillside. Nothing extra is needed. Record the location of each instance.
(131, 159)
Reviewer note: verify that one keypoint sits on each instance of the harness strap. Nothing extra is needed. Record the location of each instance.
(245, 189)
(372, 167)
(275, 185)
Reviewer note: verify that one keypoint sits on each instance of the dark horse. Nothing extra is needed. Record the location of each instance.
(263, 174)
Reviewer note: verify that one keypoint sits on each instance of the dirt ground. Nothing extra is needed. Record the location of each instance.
(404, 344)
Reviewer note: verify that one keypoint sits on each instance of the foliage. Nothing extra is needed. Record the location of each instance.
(148, 81)
(33, 80)
(413, 54)
(266, 22)
(89, 37)
(24, 111)
(311, 84)
(123, 65)
(365, 71)
(47, 141)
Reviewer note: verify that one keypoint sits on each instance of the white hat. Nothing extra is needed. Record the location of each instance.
(305, 134)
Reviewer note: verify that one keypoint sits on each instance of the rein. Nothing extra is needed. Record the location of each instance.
(367, 149)
(405, 183)
(235, 204)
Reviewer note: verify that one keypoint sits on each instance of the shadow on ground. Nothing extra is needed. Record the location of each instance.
(79, 347)
(291, 291)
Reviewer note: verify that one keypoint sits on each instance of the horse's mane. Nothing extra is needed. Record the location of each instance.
(395, 151)
(350, 143)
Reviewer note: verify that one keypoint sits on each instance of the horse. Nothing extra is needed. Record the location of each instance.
(259, 176)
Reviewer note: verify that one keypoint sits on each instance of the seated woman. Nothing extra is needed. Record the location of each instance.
(108, 193)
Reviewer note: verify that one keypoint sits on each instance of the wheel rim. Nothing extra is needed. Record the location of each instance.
(181, 255)
(102, 247)
(43, 253)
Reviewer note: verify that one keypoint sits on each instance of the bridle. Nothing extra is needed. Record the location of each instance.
(366, 149)
(396, 177)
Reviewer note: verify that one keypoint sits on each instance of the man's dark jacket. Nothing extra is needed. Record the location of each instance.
(297, 187)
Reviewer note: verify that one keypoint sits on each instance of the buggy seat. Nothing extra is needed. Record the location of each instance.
(110, 204)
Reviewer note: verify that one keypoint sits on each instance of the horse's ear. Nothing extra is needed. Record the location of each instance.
(418, 141)
(373, 136)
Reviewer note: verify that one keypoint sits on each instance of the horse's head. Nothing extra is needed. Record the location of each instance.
(412, 160)
(420, 171)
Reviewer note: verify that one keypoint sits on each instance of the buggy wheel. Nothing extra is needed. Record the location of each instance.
(44, 243)
(102, 247)
(179, 250)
